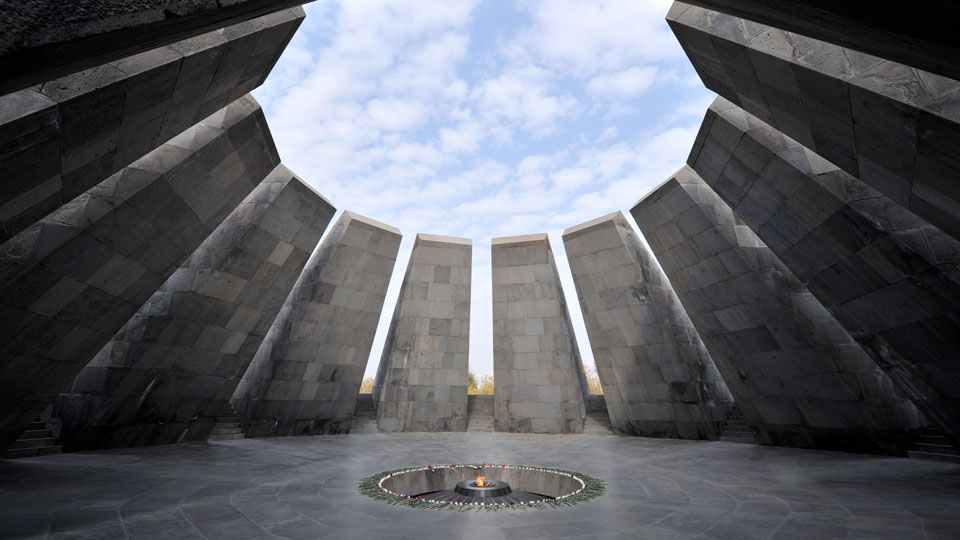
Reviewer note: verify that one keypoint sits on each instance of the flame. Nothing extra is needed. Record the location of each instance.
(480, 481)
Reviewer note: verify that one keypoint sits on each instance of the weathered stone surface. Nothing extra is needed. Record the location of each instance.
(540, 383)
(62, 138)
(796, 374)
(42, 40)
(170, 371)
(69, 282)
(306, 375)
(658, 379)
(421, 381)
(889, 277)
(895, 128)
(924, 38)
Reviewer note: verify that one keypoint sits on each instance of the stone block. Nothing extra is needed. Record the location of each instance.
(540, 383)
(65, 136)
(661, 347)
(128, 400)
(778, 349)
(109, 249)
(892, 126)
(306, 375)
(873, 261)
(43, 40)
(918, 38)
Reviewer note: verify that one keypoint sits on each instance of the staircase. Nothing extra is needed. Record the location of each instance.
(597, 421)
(480, 414)
(364, 416)
(933, 446)
(737, 429)
(37, 440)
(227, 427)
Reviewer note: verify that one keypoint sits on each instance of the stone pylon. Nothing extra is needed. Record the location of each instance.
(421, 382)
(796, 374)
(306, 375)
(65, 136)
(539, 378)
(658, 379)
(73, 279)
(170, 371)
(892, 279)
(894, 127)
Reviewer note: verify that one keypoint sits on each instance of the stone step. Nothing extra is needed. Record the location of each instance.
(17, 453)
(224, 425)
(37, 425)
(36, 434)
(228, 419)
(226, 430)
(739, 431)
(937, 448)
(735, 439)
(35, 443)
(930, 456)
(224, 436)
(933, 439)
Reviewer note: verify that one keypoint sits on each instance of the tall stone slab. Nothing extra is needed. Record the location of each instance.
(658, 379)
(169, 373)
(69, 282)
(422, 376)
(895, 128)
(924, 38)
(890, 278)
(42, 40)
(540, 383)
(63, 137)
(306, 375)
(796, 374)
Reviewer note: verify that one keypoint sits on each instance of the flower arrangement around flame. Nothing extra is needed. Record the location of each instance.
(372, 486)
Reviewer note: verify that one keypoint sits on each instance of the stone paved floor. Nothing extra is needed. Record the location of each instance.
(304, 487)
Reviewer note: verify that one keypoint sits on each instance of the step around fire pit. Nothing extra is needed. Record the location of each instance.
(481, 486)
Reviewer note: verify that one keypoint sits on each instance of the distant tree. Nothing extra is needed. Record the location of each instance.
(472, 388)
(593, 381)
(366, 387)
(486, 386)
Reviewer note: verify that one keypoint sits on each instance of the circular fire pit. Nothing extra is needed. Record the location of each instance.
(481, 486)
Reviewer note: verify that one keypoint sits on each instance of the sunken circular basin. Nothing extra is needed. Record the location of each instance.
(481, 486)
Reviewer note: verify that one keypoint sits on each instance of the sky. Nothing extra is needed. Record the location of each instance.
(482, 119)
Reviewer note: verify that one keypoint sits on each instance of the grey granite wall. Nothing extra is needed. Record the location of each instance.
(889, 277)
(61, 138)
(895, 128)
(923, 38)
(796, 374)
(70, 281)
(46, 39)
(306, 375)
(422, 376)
(540, 384)
(170, 371)
(658, 379)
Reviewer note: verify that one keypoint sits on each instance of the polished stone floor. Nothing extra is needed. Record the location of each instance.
(305, 487)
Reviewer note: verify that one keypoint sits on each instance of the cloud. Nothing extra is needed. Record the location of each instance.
(624, 84)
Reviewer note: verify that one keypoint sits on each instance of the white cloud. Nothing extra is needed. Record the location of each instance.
(625, 84)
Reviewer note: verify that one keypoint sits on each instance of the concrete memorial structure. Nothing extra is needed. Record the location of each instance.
(71, 281)
(306, 375)
(421, 382)
(47, 39)
(540, 383)
(171, 370)
(890, 278)
(65, 136)
(796, 374)
(894, 127)
(923, 38)
(658, 379)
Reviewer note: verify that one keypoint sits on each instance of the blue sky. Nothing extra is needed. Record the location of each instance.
(482, 119)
